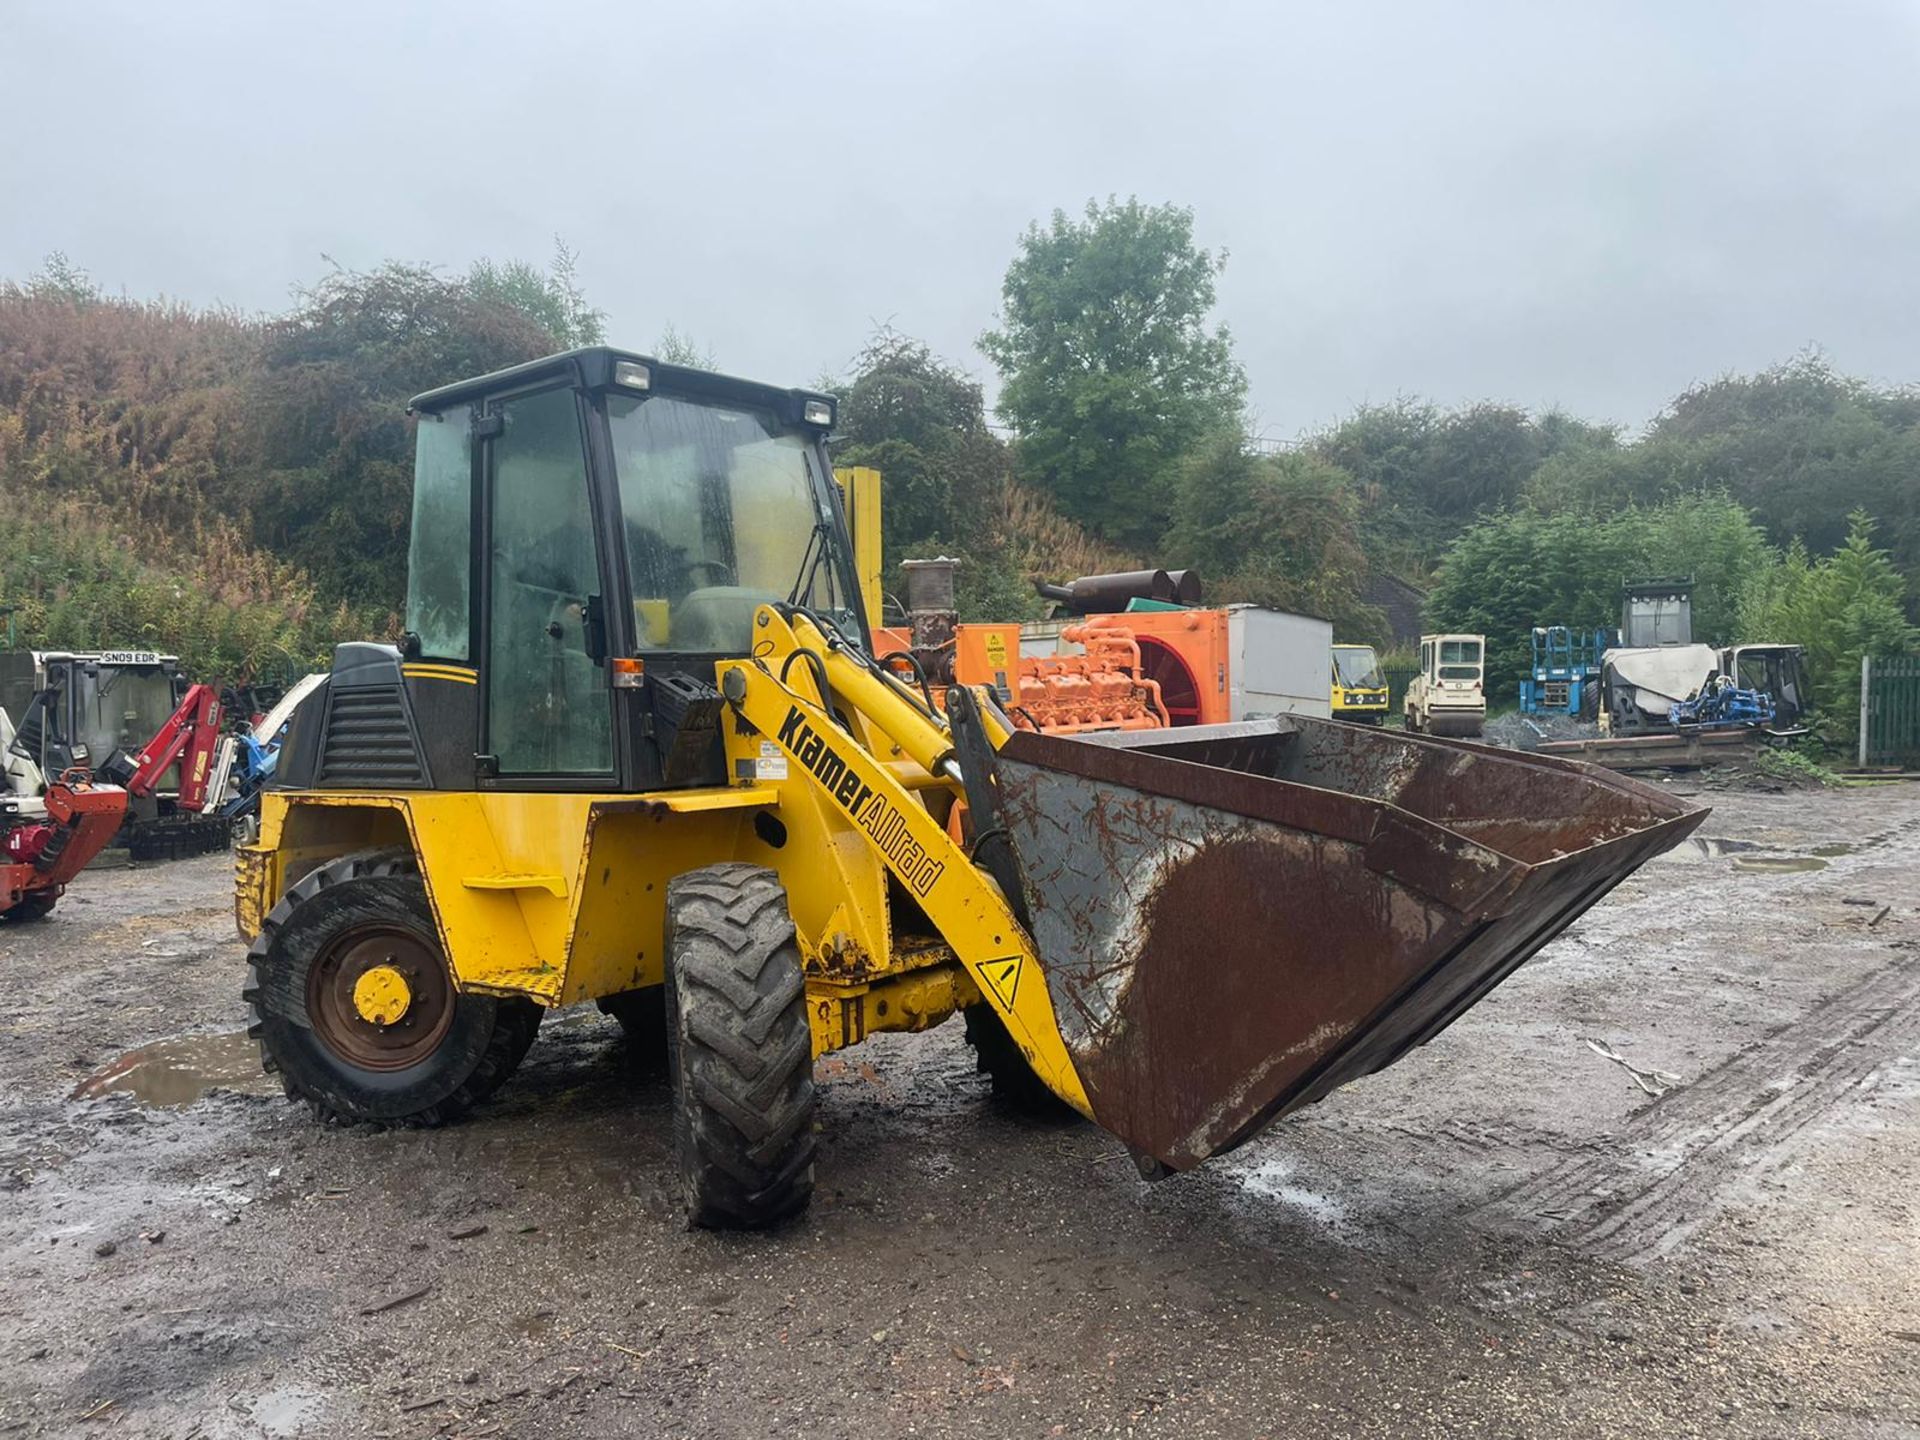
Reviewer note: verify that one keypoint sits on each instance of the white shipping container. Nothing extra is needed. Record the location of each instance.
(1280, 664)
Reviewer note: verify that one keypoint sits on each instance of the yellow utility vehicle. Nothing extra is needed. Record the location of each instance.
(1359, 689)
(633, 749)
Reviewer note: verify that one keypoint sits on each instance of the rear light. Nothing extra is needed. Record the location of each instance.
(627, 673)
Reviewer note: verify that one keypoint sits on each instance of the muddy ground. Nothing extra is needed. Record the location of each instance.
(1506, 1235)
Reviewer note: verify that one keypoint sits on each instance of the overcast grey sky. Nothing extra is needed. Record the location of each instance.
(1590, 206)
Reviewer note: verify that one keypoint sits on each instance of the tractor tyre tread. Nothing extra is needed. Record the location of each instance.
(997, 1056)
(740, 1050)
(504, 1027)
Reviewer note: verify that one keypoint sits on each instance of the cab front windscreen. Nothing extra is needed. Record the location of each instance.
(1358, 668)
(121, 709)
(724, 511)
(1459, 659)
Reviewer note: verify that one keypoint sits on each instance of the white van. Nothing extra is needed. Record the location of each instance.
(1449, 696)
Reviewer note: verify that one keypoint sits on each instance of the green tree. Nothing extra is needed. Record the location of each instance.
(1801, 446)
(1275, 530)
(327, 441)
(676, 347)
(922, 424)
(552, 298)
(1423, 474)
(1111, 374)
(1840, 608)
(58, 279)
(1521, 568)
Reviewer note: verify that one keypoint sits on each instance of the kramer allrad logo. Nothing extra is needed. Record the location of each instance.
(879, 819)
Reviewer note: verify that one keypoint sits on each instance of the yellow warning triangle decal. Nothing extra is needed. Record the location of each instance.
(1003, 978)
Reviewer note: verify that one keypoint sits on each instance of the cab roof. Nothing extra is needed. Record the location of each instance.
(592, 368)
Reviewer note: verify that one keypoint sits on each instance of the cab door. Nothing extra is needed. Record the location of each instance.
(547, 707)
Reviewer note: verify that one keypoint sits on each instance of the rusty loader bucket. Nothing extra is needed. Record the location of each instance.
(1234, 920)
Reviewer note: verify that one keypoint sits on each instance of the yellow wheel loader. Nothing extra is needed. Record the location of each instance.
(633, 749)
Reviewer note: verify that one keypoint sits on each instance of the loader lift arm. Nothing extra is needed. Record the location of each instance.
(964, 904)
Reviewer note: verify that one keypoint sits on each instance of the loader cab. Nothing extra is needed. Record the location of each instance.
(591, 533)
(1777, 671)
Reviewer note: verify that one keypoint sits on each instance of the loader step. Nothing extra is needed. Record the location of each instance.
(554, 885)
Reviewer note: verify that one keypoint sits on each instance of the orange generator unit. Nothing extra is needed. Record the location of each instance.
(1184, 653)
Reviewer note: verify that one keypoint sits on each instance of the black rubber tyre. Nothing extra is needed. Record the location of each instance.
(739, 1049)
(346, 1069)
(996, 1056)
(643, 1018)
(37, 906)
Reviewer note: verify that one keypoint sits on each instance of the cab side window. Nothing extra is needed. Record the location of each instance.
(439, 608)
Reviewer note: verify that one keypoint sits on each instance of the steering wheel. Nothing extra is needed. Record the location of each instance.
(725, 571)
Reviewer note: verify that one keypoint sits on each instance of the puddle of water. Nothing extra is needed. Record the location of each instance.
(1705, 847)
(288, 1410)
(1778, 864)
(1749, 856)
(179, 1071)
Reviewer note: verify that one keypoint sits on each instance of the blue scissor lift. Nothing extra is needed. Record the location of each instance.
(1566, 671)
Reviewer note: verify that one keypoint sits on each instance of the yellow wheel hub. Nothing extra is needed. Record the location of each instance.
(381, 995)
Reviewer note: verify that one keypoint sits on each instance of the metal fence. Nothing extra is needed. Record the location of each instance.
(1890, 710)
(1398, 677)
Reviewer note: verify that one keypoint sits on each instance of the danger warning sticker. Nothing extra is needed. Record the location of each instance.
(1003, 978)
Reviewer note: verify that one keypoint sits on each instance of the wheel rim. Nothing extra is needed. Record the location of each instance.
(372, 961)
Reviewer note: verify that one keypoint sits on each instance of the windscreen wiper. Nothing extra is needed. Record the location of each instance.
(817, 541)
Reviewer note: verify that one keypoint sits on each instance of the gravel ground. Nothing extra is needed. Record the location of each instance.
(1505, 1235)
(1523, 732)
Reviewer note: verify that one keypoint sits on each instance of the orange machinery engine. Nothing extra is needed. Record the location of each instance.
(1102, 688)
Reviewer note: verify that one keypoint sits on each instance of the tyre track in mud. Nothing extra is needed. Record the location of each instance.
(1679, 1162)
